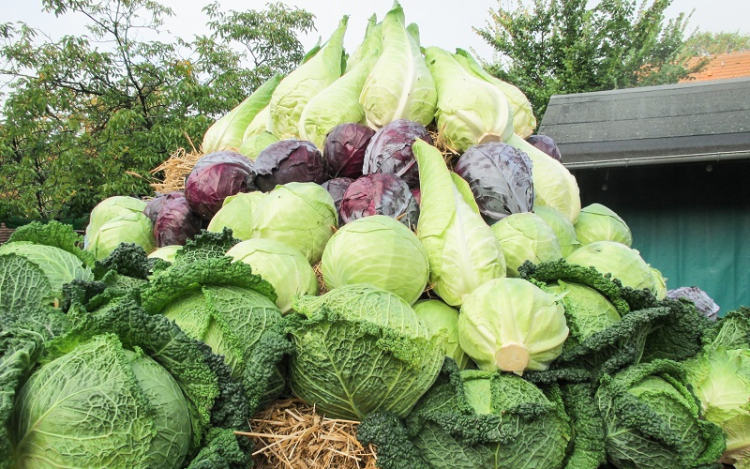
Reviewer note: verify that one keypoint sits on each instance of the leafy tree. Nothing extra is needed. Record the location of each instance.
(86, 117)
(707, 43)
(565, 46)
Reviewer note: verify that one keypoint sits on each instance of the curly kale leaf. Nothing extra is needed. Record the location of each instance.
(394, 448)
(206, 245)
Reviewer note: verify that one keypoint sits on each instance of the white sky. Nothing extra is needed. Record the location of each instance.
(443, 23)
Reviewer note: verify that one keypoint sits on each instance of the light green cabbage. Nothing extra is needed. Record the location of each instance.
(166, 253)
(554, 186)
(339, 103)
(564, 230)
(524, 121)
(624, 263)
(587, 312)
(295, 91)
(400, 85)
(462, 250)
(469, 109)
(253, 145)
(526, 237)
(660, 283)
(109, 209)
(260, 124)
(101, 406)
(280, 265)
(359, 52)
(358, 350)
(299, 214)
(133, 227)
(380, 251)
(236, 213)
(442, 321)
(59, 266)
(510, 324)
(229, 131)
(598, 223)
(720, 379)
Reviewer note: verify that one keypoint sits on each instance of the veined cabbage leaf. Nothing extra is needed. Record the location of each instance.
(399, 86)
(339, 103)
(295, 91)
(524, 121)
(261, 123)
(228, 132)
(462, 250)
(554, 186)
(469, 109)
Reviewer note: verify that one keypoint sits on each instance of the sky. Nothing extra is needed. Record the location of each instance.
(444, 23)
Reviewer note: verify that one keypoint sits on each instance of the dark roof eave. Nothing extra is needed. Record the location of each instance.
(654, 160)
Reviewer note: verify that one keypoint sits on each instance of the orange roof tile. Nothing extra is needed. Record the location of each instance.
(732, 65)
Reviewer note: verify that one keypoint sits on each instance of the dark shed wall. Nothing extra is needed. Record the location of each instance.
(690, 221)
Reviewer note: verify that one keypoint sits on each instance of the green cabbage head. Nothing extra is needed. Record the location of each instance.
(299, 214)
(280, 265)
(109, 209)
(236, 213)
(470, 110)
(624, 263)
(526, 237)
(253, 145)
(599, 223)
(378, 250)
(360, 349)
(563, 228)
(101, 406)
(720, 378)
(133, 227)
(442, 320)
(652, 420)
(510, 324)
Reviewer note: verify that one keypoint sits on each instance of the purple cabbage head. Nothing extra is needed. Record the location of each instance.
(344, 150)
(546, 144)
(214, 178)
(379, 194)
(703, 302)
(154, 206)
(500, 179)
(289, 161)
(390, 150)
(176, 223)
(337, 187)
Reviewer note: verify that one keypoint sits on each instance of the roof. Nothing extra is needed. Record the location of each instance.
(722, 66)
(698, 121)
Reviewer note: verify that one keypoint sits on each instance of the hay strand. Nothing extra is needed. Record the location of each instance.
(290, 434)
(175, 168)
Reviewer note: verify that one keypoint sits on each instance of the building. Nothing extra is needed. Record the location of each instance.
(674, 162)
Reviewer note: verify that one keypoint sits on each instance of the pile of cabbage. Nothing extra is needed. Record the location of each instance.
(380, 235)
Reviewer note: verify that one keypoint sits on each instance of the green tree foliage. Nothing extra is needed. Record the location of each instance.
(548, 47)
(86, 117)
(708, 43)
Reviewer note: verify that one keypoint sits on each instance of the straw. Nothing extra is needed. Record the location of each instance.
(290, 434)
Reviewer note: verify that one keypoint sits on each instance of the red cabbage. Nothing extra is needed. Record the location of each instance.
(289, 161)
(344, 150)
(176, 223)
(500, 179)
(390, 150)
(379, 194)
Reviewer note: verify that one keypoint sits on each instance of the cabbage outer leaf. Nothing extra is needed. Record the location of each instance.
(554, 186)
(399, 86)
(295, 91)
(469, 109)
(339, 103)
(228, 132)
(524, 121)
(462, 250)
